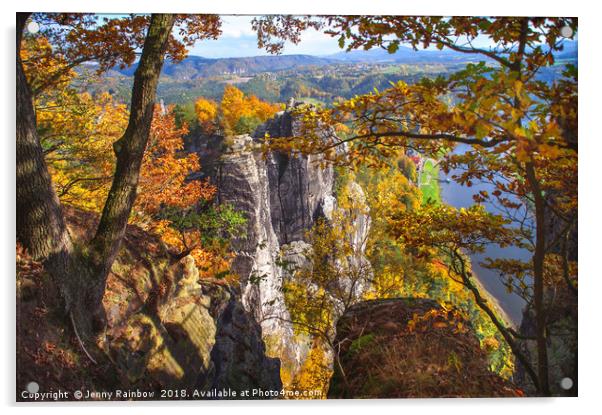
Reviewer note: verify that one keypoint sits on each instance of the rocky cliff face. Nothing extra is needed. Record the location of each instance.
(282, 197)
(560, 303)
(300, 188)
(242, 180)
(190, 334)
(562, 341)
(167, 328)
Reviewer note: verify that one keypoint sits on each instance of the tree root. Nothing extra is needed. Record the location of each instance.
(81, 344)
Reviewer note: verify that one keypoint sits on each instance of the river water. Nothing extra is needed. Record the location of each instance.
(459, 196)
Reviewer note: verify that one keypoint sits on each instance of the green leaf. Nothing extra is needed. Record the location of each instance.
(481, 131)
(393, 46)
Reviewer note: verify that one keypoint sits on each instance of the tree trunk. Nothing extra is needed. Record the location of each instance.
(466, 280)
(41, 226)
(540, 241)
(129, 150)
(538, 280)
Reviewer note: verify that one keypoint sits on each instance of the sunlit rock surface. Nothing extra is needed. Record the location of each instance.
(282, 196)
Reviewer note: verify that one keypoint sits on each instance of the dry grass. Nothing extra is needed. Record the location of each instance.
(408, 348)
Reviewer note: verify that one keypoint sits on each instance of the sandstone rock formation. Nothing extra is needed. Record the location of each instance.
(282, 196)
(166, 328)
(193, 335)
(242, 182)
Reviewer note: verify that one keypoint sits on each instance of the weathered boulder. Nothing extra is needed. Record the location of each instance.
(166, 328)
(169, 342)
(410, 348)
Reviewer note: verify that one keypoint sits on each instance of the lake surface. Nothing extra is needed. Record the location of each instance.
(459, 196)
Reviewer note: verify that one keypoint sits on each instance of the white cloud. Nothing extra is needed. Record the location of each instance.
(314, 43)
(238, 39)
(236, 26)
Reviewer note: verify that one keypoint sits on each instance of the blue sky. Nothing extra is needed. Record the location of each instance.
(238, 39)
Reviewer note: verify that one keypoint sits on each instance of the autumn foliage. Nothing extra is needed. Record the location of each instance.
(235, 114)
(78, 132)
(494, 121)
(81, 128)
(206, 112)
(165, 169)
(511, 130)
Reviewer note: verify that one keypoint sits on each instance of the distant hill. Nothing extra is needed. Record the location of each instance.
(197, 67)
(408, 55)
(194, 67)
(403, 55)
(321, 78)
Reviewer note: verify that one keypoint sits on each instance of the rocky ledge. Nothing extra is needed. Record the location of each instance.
(410, 348)
(167, 329)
